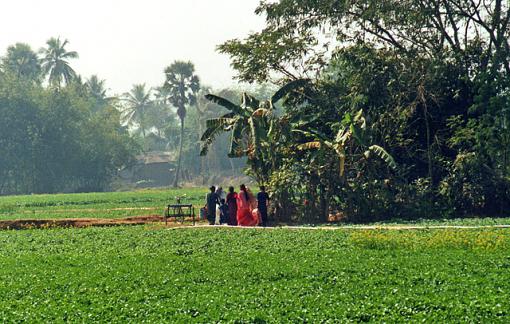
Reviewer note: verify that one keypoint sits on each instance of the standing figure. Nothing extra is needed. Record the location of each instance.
(262, 199)
(220, 193)
(211, 201)
(244, 208)
(223, 212)
(232, 206)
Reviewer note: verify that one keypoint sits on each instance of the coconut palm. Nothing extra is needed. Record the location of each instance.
(182, 86)
(138, 103)
(96, 88)
(22, 61)
(55, 62)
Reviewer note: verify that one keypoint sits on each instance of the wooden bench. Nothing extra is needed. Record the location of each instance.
(180, 211)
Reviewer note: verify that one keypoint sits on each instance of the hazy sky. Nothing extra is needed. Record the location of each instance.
(131, 41)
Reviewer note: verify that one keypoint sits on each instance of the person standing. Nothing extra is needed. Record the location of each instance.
(244, 208)
(223, 212)
(232, 206)
(220, 193)
(211, 201)
(262, 199)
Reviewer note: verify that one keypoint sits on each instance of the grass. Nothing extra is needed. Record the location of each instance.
(470, 221)
(153, 202)
(220, 274)
(95, 205)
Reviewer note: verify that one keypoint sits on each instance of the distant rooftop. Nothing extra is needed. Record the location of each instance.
(156, 157)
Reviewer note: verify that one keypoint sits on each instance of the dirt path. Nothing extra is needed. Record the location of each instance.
(78, 222)
(159, 220)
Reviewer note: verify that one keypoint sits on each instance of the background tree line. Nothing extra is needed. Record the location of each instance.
(426, 81)
(60, 133)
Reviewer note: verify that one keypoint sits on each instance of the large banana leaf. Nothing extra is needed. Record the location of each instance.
(286, 89)
(309, 146)
(208, 137)
(219, 122)
(250, 102)
(226, 103)
(236, 149)
(380, 152)
(358, 133)
(254, 136)
(343, 136)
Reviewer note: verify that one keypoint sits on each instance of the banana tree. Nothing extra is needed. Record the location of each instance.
(250, 124)
(351, 129)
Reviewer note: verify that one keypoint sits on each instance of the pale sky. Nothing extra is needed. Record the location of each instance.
(132, 41)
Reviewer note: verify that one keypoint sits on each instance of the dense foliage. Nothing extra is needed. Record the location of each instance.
(59, 133)
(431, 80)
(52, 141)
(211, 275)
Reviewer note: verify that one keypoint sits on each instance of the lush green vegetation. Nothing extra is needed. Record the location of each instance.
(426, 81)
(96, 205)
(375, 110)
(209, 275)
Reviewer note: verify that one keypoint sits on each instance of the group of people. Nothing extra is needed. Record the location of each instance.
(237, 209)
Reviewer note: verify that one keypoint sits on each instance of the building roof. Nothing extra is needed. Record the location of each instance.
(156, 157)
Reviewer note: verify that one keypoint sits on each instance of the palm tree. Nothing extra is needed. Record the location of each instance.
(55, 62)
(22, 61)
(138, 103)
(96, 88)
(250, 124)
(182, 86)
(161, 115)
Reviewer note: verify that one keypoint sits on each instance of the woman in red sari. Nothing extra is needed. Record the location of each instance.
(244, 208)
(232, 206)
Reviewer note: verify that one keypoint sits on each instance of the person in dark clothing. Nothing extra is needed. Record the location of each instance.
(262, 199)
(211, 201)
(223, 212)
(232, 206)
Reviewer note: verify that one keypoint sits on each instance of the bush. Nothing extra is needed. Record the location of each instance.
(473, 188)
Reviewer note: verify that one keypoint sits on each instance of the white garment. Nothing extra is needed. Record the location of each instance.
(218, 213)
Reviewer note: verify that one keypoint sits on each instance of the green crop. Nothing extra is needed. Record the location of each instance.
(277, 275)
(96, 205)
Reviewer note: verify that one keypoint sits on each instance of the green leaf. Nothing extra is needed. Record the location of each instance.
(236, 149)
(381, 152)
(286, 89)
(250, 102)
(309, 146)
(225, 103)
(219, 122)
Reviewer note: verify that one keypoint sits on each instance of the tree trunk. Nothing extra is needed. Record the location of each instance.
(178, 171)
(324, 204)
(233, 168)
(429, 148)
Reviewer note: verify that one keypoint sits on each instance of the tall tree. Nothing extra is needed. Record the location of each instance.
(135, 113)
(182, 85)
(56, 62)
(22, 61)
(96, 88)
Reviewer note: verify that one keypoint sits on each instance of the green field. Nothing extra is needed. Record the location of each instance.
(150, 202)
(151, 274)
(96, 205)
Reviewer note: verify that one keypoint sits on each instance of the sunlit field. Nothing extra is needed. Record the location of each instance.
(96, 205)
(144, 273)
(153, 201)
